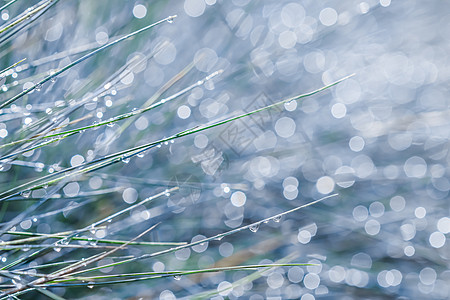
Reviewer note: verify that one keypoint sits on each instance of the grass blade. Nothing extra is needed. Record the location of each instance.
(81, 59)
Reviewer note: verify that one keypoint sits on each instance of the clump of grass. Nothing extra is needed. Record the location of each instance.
(62, 230)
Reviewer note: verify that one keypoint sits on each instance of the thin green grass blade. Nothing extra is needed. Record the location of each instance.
(11, 66)
(8, 4)
(26, 15)
(215, 237)
(118, 156)
(83, 58)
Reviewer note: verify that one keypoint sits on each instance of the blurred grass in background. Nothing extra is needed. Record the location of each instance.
(379, 140)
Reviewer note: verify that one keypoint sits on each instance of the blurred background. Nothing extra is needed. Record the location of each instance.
(379, 140)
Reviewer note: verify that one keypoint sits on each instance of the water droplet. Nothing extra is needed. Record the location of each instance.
(140, 155)
(219, 238)
(93, 230)
(110, 220)
(277, 219)
(35, 220)
(90, 285)
(170, 19)
(57, 249)
(125, 159)
(177, 277)
(254, 228)
(166, 143)
(53, 79)
(25, 194)
(38, 87)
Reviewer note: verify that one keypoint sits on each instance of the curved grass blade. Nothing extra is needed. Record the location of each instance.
(7, 4)
(27, 14)
(125, 154)
(49, 126)
(32, 246)
(26, 18)
(77, 265)
(121, 117)
(83, 58)
(215, 237)
(63, 235)
(2, 72)
(157, 275)
(90, 227)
